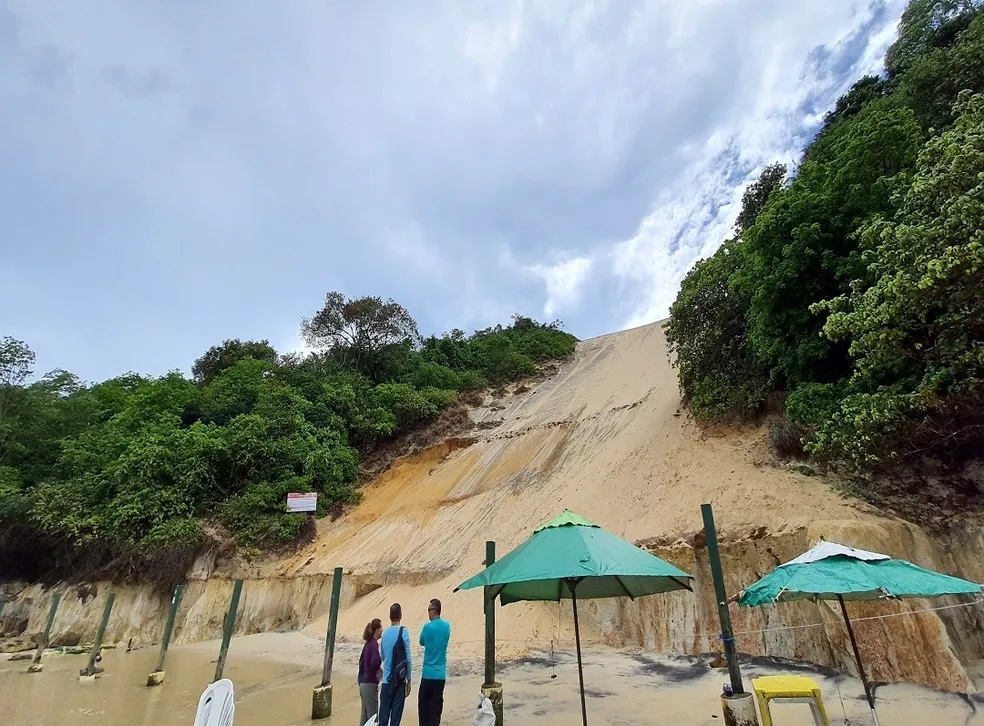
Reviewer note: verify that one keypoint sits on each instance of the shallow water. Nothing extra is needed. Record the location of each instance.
(274, 675)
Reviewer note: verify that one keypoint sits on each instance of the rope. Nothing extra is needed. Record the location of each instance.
(532, 641)
(858, 620)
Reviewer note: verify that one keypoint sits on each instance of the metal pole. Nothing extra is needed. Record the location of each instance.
(46, 635)
(90, 669)
(721, 597)
(489, 620)
(572, 584)
(857, 657)
(336, 592)
(230, 621)
(157, 677)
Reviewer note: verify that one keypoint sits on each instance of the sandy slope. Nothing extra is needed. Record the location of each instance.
(604, 437)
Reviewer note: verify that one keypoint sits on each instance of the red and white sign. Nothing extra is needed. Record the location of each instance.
(302, 502)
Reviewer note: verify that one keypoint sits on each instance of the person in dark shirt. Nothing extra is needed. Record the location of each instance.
(370, 669)
(434, 638)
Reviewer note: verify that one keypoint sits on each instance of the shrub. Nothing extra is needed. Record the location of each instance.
(787, 438)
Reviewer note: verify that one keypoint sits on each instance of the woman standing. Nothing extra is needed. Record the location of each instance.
(370, 670)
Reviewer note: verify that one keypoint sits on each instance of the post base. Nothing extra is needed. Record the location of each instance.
(35, 668)
(493, 692)
(83, 678)
(156, 678)
(321, 702)
(739, 710)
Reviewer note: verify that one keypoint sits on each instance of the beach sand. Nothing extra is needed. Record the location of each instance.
(274, 674)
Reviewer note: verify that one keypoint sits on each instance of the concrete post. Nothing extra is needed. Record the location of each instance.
(157, 677)
(739, 710)
(36, 666)
(90, 671)
(491, 688)
(227, 628)
(321, 699)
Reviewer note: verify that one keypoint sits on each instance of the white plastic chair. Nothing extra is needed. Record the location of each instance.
(217, 705)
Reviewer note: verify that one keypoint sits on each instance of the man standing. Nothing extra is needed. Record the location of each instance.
(434, 637)
(396, 669)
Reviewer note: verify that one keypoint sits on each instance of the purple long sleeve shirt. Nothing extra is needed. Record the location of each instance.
(370, 662)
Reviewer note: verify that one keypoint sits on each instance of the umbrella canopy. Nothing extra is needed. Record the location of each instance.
(831, 571)
(571, 558)
(570, 550)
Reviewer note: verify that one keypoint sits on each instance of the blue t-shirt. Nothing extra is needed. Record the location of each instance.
(387, 642)
(434, 637)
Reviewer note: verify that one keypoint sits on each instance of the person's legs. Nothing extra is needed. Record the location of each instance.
(422, 702)
(369, 694)
(386, 705)
(436, 703)
(425, 701)
(399, 701)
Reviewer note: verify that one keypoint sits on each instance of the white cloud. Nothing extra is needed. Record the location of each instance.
(229, 153)
(564, 281)
(695, 211)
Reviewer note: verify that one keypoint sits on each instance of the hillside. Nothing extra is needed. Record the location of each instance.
(605, 437)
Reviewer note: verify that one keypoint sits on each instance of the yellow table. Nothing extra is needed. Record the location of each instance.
(790, 689)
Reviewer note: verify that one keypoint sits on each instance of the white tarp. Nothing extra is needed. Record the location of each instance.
(824, 549)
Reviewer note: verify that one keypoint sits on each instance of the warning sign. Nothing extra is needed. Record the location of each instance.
(302, 502)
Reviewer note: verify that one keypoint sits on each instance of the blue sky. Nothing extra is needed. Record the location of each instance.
(173, 173)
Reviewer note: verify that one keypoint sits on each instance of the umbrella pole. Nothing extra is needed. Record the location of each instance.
(857, 658)
(577, 640)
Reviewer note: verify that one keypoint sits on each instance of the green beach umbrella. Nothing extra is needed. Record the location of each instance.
(831, 571)
(569, 558)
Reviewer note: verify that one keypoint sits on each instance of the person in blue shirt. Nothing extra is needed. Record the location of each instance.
(434, 637)
(392, 697)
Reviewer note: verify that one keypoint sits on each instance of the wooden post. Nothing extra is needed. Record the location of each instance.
(90, 670)
(36, 666)
(321, 700)
(227, 627)
(157, 677)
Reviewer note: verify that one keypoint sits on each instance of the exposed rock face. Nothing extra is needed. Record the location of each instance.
(604, 437)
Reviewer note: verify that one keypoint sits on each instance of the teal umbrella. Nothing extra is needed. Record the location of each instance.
(831, 571)
(569, 558)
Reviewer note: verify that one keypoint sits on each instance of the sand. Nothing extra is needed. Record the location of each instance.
(606, 438)
(274, 675)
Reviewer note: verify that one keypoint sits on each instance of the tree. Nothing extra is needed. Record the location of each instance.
(933, 79)
(757, 194)
(916, 322)
(802, 247)
(863, 92)
(922, 21)
(707, 335)
(365, 332)
(220, 357)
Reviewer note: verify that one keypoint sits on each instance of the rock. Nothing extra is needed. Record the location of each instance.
(68, 639)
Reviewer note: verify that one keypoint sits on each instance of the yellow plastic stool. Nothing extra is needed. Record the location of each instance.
(791, 689)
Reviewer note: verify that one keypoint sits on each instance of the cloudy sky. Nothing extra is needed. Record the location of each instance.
(173, 173)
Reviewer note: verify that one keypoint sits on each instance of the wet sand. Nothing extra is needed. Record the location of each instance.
(274, 674)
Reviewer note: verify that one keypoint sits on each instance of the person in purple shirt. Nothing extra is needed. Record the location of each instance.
(370, 669)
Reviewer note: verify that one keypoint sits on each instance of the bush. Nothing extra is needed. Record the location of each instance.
(787, 438)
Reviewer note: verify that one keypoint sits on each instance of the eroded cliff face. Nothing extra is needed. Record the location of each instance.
(606, 438)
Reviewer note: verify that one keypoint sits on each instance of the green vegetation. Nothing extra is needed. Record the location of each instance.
(855, 291)
(129, 474)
